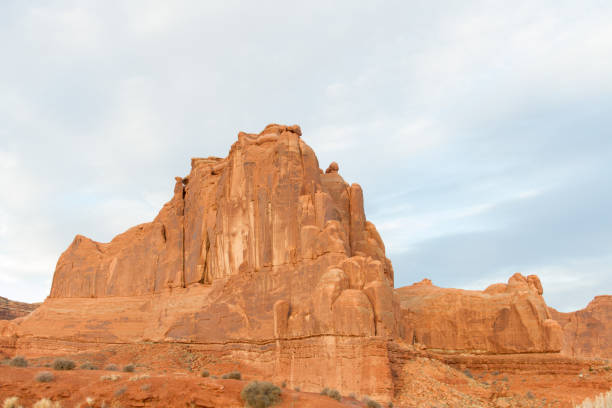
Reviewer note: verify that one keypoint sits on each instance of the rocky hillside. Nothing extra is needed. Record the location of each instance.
(9, 309)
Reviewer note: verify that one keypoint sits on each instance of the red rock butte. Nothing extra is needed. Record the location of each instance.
(264, 258)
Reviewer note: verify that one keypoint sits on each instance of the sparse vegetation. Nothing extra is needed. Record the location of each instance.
(87, 366)
(468, 373)
(44, 376)
(18, 361)
(260, 394)
(139, 377)
(11, 402)
(63, 364)
(112, 377)
(297, 389)
(205, 373)
(111, 367)
(324, 391)
(129, 368)
(120, 391)
(530, 395)
(603, 400)
(46, 403)
(370, 403)
(335, 394)
(284, 384)
(234, 375)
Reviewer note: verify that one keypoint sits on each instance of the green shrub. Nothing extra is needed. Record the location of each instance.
(260, 394)
(87, 366)
(44, 376)
(18, 361)
(371, 403)
(111, 367)
(129, 368)
(234, 375)
(63, 364)
(205, 373)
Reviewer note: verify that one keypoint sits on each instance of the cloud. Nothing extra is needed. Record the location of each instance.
(478, 132)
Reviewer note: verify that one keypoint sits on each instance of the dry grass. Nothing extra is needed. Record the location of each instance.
(46, 403)
(603, 400)
(11, 402)
(112, 377)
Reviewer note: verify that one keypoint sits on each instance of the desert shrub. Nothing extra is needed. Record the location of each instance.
(335, 394)
(129, 368)
(284, 384)
(111, 367)
(18, 361)
(297, 389)
(11, 402)
(260, 394)
(352, 395)
(46, 403)
(234, 375)
(120, 391)
(603, 400)
(370, 403)
(112, 377)
(90, 401)
(468, 373)
(87, 366)
(205, 373)
(390, 405)
(139, 377)
(63, 364)
(44, 376)
(325, 391)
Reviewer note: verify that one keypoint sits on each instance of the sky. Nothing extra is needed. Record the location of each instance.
(480, 131)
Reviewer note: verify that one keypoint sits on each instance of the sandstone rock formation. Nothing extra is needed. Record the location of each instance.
(9, 309)
(587, 332)
(264, 258)
(504, 318)
(261, 246)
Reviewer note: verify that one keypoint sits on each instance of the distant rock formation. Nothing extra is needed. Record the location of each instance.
(588, 332)
(10, 309)
(504, 318)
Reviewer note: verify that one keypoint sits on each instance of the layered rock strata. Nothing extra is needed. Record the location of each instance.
(263, 258)
(10, 309)
(504, 318)
(588, 332)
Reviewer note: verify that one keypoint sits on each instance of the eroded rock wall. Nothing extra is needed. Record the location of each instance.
(587, 332)
(504, 318)
(10, 309)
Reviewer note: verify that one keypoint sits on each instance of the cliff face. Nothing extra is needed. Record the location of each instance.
(587, 332)
(263, 258)
(10, 309)
(504, 318)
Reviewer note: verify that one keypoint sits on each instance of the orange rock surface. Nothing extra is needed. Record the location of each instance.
(9, 309)
(504, 318)
(588, 332)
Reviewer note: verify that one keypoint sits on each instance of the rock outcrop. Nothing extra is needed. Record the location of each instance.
(587, 332)
(264, 258)
(504, 318)
(10, 309)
